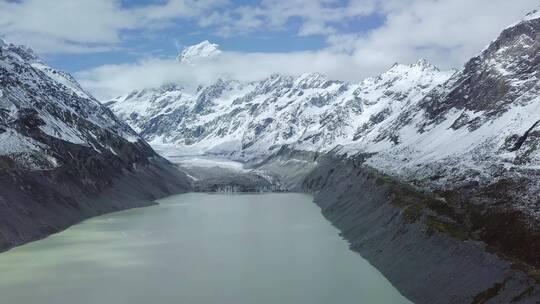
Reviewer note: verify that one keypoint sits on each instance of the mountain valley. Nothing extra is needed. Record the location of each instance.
(431, 175)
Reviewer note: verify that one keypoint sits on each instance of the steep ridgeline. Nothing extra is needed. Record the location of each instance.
(64, 156)
(470, 148)
(246, 121)
(481, 127)
(485, 116)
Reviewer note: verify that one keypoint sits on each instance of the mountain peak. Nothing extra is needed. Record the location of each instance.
(200, 51)
(424, 64)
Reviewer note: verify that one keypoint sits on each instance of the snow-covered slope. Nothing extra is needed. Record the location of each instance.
(480, 129)
(250, 120)
(36, 98)
(485, 114)
(202, 51)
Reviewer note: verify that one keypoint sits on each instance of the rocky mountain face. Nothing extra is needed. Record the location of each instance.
(63, 155)
(478, 127)
(252, 120)
(488, 108)
(474, 141)
(472, 144)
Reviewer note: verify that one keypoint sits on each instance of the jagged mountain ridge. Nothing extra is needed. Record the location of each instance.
(484, 117)
(249, 120)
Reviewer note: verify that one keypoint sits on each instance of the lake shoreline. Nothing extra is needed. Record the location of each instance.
(54, 203)
(198, 248)
(420, 258)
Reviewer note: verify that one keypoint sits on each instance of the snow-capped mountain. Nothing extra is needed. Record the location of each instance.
(38, 99)
(202, 51)
(63, 155)
(478, 130)
(485, 113)
(249, 120)
(416, 122)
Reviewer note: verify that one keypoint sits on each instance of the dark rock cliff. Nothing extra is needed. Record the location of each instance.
(412, 238)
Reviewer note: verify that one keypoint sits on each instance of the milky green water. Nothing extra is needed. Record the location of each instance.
(195, 249)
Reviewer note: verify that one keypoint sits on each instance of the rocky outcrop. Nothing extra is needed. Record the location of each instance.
(412, 238)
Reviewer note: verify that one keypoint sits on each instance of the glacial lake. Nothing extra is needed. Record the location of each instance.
(197, 249)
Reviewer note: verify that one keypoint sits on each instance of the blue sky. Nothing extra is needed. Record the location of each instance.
(170, 40)
(169, 43)
(113, 46)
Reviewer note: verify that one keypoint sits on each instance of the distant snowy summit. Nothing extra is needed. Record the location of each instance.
(198, 52)
(252, 119)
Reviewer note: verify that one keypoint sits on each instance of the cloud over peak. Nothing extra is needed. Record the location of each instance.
(358, 38)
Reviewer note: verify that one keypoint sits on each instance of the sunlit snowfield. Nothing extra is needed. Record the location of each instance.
(197, 248)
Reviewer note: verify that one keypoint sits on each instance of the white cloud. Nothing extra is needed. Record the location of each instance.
(447, 33)
(85, 26)
(317, 17)
(450, 28)
(113, 80)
